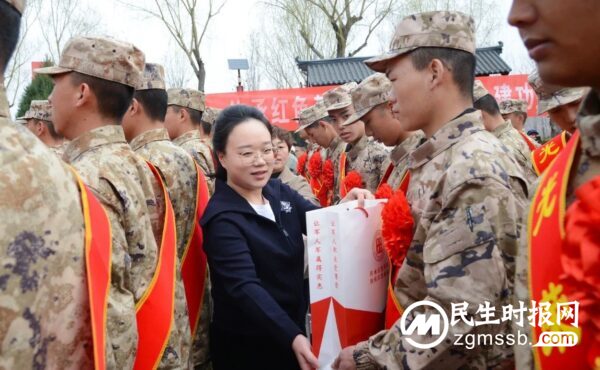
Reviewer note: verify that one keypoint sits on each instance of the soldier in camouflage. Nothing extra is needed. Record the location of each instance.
(364, 155)
(147, 136)
(373, 106)
(38, 119)
(44, 307)
(515, 111)
(508, 135)
(89, 99)
(467, 199)
(570, 65)
(184, 123)
(560, 103)
(317, 124)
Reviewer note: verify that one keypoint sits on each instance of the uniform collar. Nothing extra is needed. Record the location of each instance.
(355, 150)
(468, 123)
(589, 123)
(188, 136)
(105, 135)
(157, 134)
(503, 128)
(335, 143)
(401, 150)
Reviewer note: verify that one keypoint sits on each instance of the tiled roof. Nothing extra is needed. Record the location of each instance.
(339, 71)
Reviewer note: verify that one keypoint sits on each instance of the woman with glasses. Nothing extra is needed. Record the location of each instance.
(282, 143)
(253, 228)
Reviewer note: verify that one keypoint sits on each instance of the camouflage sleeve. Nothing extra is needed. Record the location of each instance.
(464, 247)
(121, 322)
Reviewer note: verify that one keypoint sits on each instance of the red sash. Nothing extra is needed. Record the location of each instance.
(193, 261)
(155, 310)
(528, 141)
(98, 248)
(546, 233)
(393, 310)
(342, 169)
(543, 156)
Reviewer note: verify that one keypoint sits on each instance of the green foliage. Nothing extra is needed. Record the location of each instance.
(39, 89)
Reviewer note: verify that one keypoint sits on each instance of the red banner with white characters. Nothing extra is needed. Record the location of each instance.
(280, 106)
(283, 105)
(512, 87)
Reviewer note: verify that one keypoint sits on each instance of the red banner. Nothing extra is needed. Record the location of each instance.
(512, 87)
(280, 106)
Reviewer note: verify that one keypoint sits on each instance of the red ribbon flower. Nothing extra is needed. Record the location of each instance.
(397, 226)
(352, 180)
(384, 191)
(301, 166)
(580, 260)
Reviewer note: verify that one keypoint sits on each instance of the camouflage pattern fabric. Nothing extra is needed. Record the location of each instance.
(44, 305)
(39, 109)
(553, 96)
(517, 148)
(468, 201)
(127, 189)
(339, 97)
(371, 92)
(512, 105)
(334, 152)
(310, 115)
(399, 158)
(193, 143)
(187, 98)
(367, 157)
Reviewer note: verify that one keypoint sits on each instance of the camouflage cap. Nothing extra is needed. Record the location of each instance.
(19, 5)
(210, 115)
(371, 92)
(479, 91)
(39, 109)
(553, 96)
(512, 106)
(442, 29)
(153, 78)
(103, 58)
(311, 115)
(339, 97)
(187, 98)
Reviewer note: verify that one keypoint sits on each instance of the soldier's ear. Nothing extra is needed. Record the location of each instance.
(437, 72)
(135, 106)
(39, 128)
(85, 94)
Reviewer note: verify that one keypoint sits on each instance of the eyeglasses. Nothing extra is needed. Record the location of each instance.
(250, 157)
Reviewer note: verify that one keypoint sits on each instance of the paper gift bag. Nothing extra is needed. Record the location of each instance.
(348, 269)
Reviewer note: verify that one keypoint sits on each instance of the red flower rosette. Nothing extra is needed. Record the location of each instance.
(580, 259)
(315, 165)
(397, 227)
(353, 180)
(384, 191)
(324, 194)
(301, 166)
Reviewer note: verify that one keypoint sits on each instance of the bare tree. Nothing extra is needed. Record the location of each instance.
(346, 19)
(63, 19)
(177, 68)
(255, 60)
(182, 18)
(486, 13)
(15, 74)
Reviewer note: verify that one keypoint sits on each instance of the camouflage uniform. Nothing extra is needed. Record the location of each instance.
(179, 173)
(367, 157)
(60, 150)
(334, 152)
(516, 105)
(514, 142)
(399, 158)
(552, 96)
(123, 184)
(468, 201)
(210, 115)
(44, 307)
(42, 110)
(588, 167)
(192, 141)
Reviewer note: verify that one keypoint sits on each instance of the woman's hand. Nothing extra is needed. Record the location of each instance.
(358, 194)
(302, 348)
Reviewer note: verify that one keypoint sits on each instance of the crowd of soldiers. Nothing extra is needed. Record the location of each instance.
(114, 169)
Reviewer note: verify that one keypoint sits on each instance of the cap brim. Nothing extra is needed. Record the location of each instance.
(338, 106)
(54, 70)
(356, 116)
(380, 62)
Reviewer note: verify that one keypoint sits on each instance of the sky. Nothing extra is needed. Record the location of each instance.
(227, 37)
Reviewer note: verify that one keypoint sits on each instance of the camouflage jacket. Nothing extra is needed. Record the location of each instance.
(588, 167)
(127, 189)
(299, 184)
(60, 149)
(179, 172)
(193, 143)
(333, 152)
(44, 308)
(467, 200)
(517, 147)
(367, 157)
(399, 158)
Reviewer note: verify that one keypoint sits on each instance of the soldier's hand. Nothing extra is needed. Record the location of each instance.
(358, 194)
(303, 350)
(345, 360)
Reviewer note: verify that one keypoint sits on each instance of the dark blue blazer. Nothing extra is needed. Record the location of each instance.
(256, 265)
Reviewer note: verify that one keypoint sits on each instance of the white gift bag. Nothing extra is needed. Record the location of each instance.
(348, 270)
